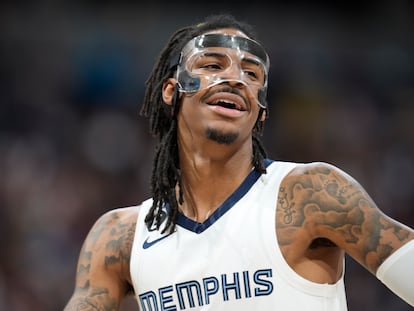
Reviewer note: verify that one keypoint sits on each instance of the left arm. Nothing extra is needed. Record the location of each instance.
(348, 216)
(335, 207)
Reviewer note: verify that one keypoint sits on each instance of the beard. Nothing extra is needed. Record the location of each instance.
(221, 137)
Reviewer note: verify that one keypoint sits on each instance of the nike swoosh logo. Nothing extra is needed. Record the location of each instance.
(148, 244)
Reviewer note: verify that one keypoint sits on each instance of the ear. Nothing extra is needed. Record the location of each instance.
(168, 91)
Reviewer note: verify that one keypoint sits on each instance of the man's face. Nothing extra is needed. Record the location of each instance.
(224, 111)
(215, 58)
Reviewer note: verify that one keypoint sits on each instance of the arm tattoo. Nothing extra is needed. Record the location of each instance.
(121, 244)
(288, 209)
(96, 300)
(111, 240)
(322, 197)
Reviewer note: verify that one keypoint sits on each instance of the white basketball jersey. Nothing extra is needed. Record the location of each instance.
(231, 261)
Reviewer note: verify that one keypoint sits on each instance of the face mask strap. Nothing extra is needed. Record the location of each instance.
(232, 42)
(175, 101)
(261, 97)
(188, 82)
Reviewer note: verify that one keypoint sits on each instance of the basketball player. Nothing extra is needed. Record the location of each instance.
(226, 227)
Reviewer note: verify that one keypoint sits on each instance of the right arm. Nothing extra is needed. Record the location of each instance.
(103, 277)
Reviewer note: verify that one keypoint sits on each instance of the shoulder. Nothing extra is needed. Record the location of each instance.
(316, 168)
(103, 277)
(319, 187)
(116, 228)
(110, 239)
(318, 200)
(119, 216)
(116, 222)
(320, 177)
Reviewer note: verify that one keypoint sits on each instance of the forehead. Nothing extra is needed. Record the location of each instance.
(228, 39)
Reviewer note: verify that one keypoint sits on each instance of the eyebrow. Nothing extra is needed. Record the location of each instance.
(214, 54)
(245, 59)
(252, 61)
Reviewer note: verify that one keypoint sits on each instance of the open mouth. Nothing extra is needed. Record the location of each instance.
(227, 104)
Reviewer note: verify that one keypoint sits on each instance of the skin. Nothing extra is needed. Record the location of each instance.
(103, 277)
(322, 213)
(203, 162)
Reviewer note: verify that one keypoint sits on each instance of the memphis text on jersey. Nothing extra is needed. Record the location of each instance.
(225, 287)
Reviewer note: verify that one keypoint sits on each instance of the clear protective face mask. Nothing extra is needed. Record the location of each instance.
(211, 59)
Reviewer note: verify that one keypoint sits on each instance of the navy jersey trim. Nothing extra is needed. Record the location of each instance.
(245, 186)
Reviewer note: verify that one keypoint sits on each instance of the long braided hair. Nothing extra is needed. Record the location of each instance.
(163, 123)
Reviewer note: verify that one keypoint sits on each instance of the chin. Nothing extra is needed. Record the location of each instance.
(221, 137)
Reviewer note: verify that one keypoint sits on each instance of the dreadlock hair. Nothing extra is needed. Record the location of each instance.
(163, 123)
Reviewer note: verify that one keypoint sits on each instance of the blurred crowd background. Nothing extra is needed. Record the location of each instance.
(73, 145)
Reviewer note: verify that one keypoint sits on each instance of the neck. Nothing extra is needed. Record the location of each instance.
(207, 183)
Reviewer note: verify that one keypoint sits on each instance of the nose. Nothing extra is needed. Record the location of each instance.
(236, 83)
(233, 71)
(233, 76)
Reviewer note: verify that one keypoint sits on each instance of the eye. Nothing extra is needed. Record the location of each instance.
(209, 62)
(253, 70)
(212, 66)
(254, 74)
(251, 74)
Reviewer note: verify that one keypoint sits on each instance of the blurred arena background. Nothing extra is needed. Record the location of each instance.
(73, 146)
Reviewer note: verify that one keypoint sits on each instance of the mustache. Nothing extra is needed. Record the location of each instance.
(226, 89)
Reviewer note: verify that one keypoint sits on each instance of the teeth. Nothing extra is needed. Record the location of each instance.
(224, 101)
(227, 104)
